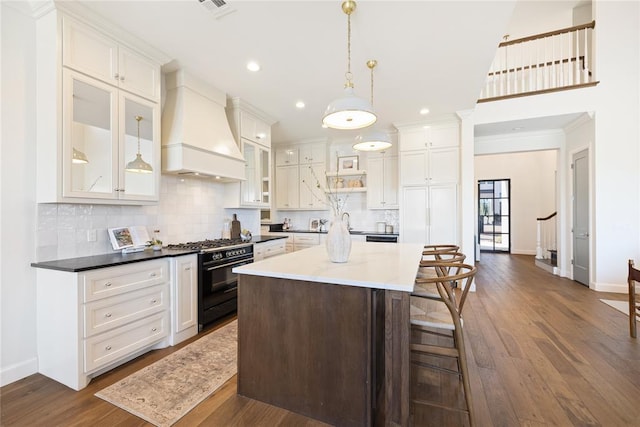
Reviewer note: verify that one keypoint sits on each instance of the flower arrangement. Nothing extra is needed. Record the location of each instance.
(334, 199)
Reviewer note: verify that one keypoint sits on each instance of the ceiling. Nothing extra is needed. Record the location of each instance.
(430, 55)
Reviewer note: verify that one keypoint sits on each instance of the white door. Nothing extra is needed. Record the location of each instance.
(580, 166)
(414, 215)
(443, 214)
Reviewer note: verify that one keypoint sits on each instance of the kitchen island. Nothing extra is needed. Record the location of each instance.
(329, 340)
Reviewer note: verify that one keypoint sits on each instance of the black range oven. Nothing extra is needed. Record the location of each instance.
(217, 284)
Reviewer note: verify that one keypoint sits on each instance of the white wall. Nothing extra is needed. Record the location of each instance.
(532, 178)
(17, 180)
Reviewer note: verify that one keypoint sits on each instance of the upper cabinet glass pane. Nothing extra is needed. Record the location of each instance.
(250, 193)
(134, 143)
(91, 135)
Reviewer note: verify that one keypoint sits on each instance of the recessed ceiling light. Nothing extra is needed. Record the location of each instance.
(517, 128)
(253, 66)
(424, 111)
(300, 104)
(217, 176)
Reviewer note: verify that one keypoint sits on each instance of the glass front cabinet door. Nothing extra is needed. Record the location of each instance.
(110, 142)
(256, 188)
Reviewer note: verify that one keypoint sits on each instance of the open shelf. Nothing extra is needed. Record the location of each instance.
(354, 173)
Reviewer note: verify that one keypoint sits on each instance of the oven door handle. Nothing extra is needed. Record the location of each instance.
(235, 264)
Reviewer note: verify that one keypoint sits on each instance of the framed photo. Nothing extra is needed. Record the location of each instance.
(348, 164)
(314, 224)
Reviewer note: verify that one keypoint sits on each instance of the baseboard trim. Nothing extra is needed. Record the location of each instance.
(18, 371)
(523, 251)
(611, 287)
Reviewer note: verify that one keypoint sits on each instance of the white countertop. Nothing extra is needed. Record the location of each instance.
(390, 266)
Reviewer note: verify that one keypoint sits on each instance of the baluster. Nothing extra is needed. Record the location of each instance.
(586, 66)
(522, 65)
(576, 70)
(539, 240)
(552, 83)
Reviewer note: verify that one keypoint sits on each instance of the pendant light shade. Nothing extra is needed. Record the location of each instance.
(138, 165)
(349, 111)
(372, 139)
(79, 157)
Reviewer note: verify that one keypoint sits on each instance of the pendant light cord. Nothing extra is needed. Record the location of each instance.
(138, 118)
(348, 75)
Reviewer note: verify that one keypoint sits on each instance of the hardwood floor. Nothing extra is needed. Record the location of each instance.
(543, 351)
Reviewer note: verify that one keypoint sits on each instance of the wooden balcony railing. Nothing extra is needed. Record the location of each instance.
(547, 62)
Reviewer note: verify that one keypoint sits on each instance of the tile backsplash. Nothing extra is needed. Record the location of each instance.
(190, 209)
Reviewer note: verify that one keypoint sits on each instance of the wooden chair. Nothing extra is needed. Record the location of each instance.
(448, 263)
(440, 318)
(434, 252)
(634, 305)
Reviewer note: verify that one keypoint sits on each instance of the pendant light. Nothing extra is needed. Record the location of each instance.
(138, 165)
(372, 139)
(79, 157)
(350, 111)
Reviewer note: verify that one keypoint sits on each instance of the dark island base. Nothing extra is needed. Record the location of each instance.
(319, 349)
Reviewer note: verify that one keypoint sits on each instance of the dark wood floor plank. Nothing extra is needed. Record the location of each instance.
(542, 351)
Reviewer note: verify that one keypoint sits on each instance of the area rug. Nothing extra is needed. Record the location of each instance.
(622, 306)
(165, 391)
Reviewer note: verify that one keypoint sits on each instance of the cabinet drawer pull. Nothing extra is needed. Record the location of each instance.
(152, 274)
(107, 315)
(187, 268)
(154, 329)
(121, 78)
(116, 76)
(153, 301)
(108, 348)
(108, 284)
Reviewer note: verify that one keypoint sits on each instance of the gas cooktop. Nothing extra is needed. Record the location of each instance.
(208, 245)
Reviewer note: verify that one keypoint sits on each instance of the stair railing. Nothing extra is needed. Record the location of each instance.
(547, 62)
(546, 236)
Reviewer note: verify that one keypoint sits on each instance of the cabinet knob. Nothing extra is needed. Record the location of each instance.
(153, 301)
(187, 268)
(121, 78)
(152, 274)
(154, 329)
(107, 284)
(107, 315)
(108, 348)
(116, 76)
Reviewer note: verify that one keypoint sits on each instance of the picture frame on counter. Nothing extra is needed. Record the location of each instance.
(348, 164)
(314, 224)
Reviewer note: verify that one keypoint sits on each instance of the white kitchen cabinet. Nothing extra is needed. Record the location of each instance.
(252, 130)
(305, 240)
(433, 136)
(256, 189)
(382, 182)
(89, 322)
(312, 153)
(429, 214)
(429, 166)
(91, 52)
(100, 121)
(268, 249)
(286, 156)
(86, 123)
(184, 298)
(287, 187)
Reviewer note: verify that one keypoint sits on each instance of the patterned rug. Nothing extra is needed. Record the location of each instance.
(165, 391)
(622, 306)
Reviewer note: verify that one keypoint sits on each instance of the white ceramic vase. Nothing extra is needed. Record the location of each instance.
(338, 241)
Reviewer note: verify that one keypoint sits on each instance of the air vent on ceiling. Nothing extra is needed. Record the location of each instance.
(218, 8)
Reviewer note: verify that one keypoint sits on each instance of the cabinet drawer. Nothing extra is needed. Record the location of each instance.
(274, 250)
(106, 348)
(112, 281)
(109, 313)
(307, 239)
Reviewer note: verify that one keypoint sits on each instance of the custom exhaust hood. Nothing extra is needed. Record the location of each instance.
(196, 138)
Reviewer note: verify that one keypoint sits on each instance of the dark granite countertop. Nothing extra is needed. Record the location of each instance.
(93, 262)
(74, 265)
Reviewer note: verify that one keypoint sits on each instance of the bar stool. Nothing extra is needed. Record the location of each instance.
(438, 318)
